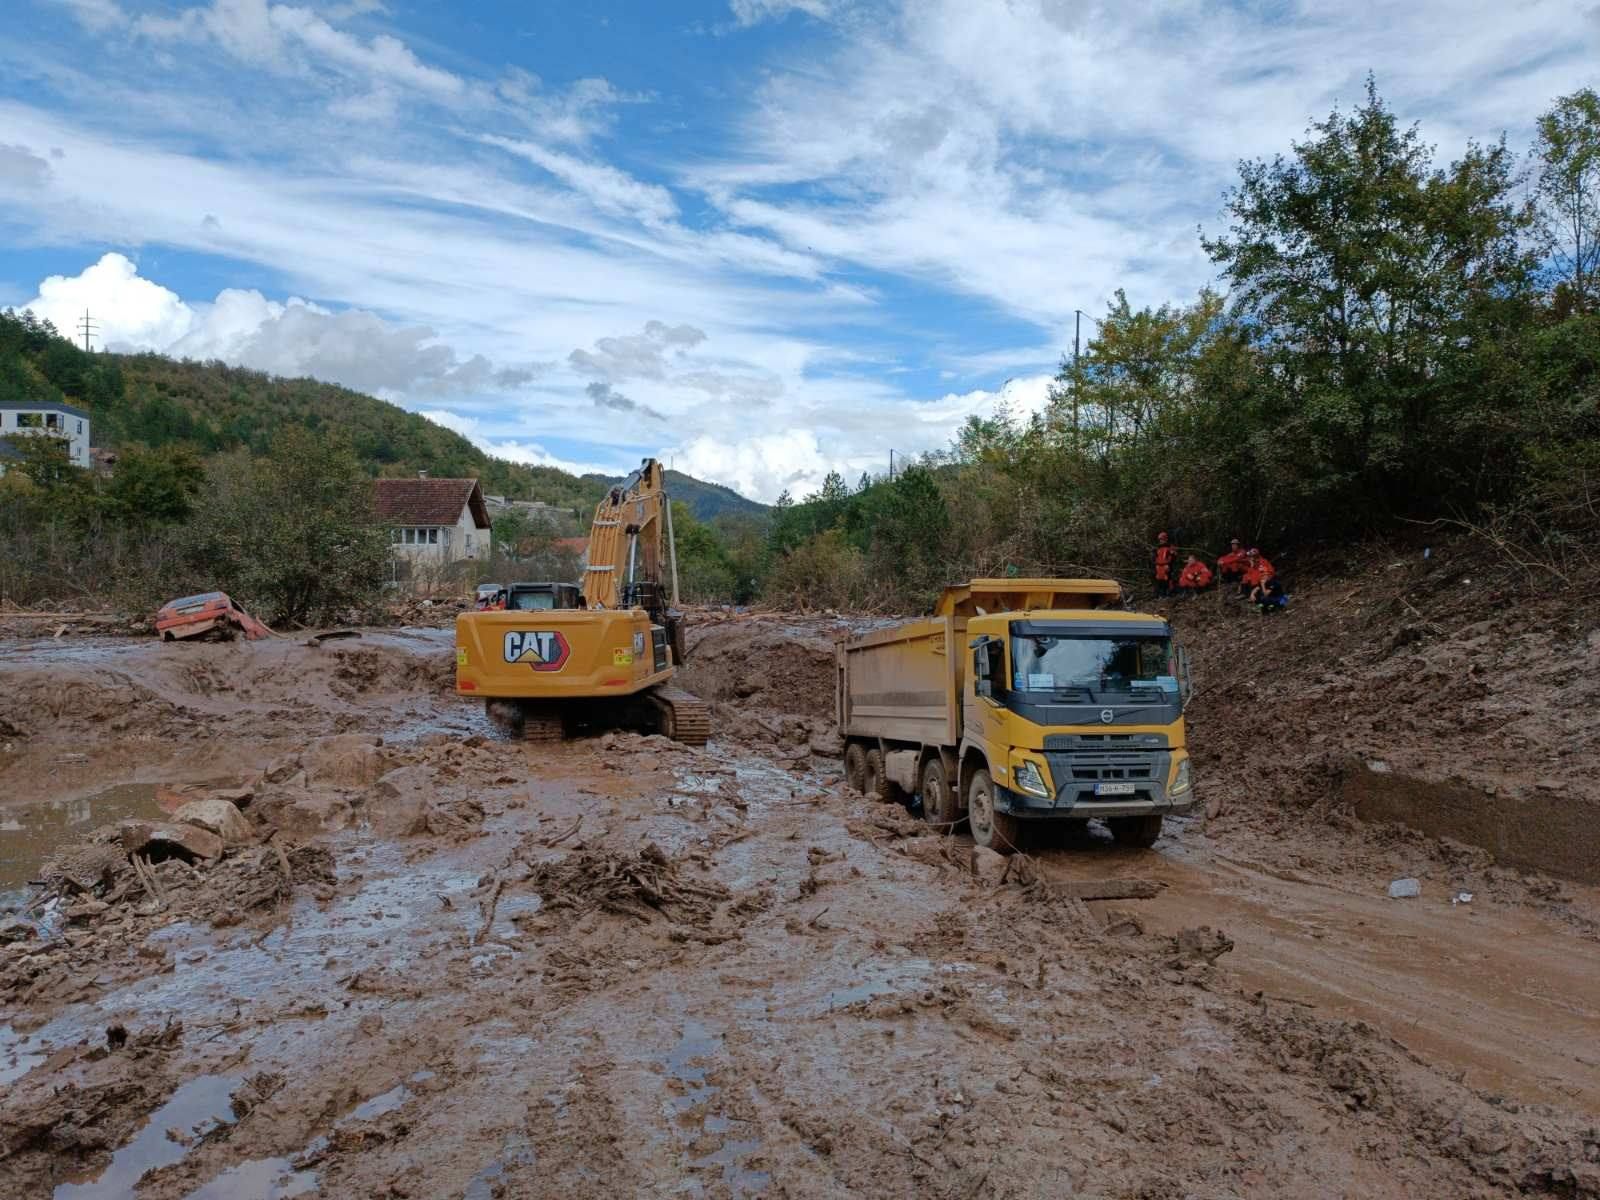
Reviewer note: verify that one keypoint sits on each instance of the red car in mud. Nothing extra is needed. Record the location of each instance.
(209, 612)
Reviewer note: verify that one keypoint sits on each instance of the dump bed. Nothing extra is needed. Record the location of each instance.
(904, 684)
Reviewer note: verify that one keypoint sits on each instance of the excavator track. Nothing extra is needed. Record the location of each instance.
(684, 718)
(542, 722)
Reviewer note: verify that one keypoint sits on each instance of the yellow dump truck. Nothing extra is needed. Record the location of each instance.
(1021, 700)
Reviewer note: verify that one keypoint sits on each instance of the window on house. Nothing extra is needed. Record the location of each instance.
(80, 427)
(30, 420)
(52, 420)
(433, 537)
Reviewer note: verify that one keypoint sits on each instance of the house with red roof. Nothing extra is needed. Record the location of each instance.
(434, 522)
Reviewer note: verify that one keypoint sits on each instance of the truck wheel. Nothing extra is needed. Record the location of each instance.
(855, 766)
(873, 782)
(990, 829)
(1136, 831)
(938, 801)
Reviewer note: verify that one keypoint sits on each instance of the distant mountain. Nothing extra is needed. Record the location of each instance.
(705, 500)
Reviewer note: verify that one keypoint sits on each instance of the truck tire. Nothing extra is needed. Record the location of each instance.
(938, 801)
(1136, 831)
(855, 766)
(873, 780)
(990, 829)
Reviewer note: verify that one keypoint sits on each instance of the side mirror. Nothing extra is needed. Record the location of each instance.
(1185, 681)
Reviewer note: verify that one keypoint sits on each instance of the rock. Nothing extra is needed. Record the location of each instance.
(827, 745)
(300, 813)
(220, 817)
(169, 839)
(86, 909)
(238, 797)
(988, 866)
(1404, 889)
(15, 929)
(397, 803)
(349, 760)
(925, 850)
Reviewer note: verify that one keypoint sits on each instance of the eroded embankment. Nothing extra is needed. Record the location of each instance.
(1445, 692)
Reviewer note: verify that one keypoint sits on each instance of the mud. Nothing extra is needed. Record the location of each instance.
(619, 966)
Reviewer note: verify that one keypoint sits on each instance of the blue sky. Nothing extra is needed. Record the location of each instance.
(762, 238)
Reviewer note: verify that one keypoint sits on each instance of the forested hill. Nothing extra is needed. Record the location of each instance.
(705, 500)
(153, 401)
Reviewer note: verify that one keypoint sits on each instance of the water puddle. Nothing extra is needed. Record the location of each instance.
(486, 1184)
(196, 1108)
(19, 1054)
(31, 832)
(259, 1179)
(684, 1062)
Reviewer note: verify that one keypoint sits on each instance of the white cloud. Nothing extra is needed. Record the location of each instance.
(611, 190)
(261, 33)
(1039, 154)
(753, 12)
(20, 167)
(357, 349)
(528, 453)
(96, 16)
(132, 312)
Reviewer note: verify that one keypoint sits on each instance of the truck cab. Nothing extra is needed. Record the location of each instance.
(1074, 715)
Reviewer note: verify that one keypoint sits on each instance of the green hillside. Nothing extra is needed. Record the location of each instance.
(152, 401)
(707, 501)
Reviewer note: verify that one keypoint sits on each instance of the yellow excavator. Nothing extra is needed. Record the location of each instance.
(559, 659)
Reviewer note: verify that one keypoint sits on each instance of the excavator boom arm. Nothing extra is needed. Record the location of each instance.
(625, 538)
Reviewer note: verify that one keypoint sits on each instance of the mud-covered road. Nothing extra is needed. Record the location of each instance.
(621, 967)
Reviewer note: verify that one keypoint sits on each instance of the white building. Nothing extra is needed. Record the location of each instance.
(434, 522)
(29, 417)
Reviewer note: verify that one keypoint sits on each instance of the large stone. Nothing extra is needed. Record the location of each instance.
(348, 760)
(300, 813)
(989, 866)
(220, 817)
(169, 839)
(397, 804)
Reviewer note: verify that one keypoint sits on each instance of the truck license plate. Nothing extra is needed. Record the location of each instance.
(1113, 789)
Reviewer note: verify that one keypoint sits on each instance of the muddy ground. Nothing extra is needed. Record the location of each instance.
(620, 967)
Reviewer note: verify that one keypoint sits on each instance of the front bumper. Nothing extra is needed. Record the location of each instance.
(1075, 777)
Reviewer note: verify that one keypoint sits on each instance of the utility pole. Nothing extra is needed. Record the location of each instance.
(87, 326)
(891, 464)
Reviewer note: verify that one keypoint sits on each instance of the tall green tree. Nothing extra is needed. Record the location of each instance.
(1369, 279)
(292, 534)
(1567, 165)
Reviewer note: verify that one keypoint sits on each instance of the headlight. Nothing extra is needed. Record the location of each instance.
(1182, 782)
(1027, 777)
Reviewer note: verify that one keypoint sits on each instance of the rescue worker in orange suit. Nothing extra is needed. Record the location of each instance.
(1232, 565)
(1194, 578)
(1257, 574)
(1166, 558)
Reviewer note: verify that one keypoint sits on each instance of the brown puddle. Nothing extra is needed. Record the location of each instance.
(30, 833)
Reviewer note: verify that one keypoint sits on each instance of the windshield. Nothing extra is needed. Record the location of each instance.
(532, 601)
(1094, 668)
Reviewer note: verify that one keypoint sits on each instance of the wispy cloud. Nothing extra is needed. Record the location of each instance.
(794, 260)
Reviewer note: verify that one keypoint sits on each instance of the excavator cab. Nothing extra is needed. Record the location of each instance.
(538, 597)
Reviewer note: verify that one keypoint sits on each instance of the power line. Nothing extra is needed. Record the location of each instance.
(88, 326)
